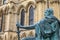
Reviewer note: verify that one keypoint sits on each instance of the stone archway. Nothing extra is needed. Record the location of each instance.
(30, 3)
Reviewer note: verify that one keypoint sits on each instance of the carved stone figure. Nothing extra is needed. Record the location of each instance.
(45, 29)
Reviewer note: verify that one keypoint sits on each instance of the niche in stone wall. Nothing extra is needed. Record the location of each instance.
(1, 38)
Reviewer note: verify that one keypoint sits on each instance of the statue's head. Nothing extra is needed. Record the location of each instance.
(48, 12)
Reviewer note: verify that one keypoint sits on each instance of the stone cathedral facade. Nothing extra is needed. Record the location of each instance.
(27, 12)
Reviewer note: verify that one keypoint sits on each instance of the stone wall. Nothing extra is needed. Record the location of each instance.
(12, 12)
(0, 2)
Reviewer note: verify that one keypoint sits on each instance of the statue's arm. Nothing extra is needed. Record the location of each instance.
(26, 27)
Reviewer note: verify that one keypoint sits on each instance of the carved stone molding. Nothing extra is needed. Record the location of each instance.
(51, 1)
(4, 9)
(31, 33)
(12, 1)
(12, 8)
(40, 1)
(31, 3)
(54, 1)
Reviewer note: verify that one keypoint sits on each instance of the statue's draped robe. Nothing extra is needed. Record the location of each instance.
(48, 29)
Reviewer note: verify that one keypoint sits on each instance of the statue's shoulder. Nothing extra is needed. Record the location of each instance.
(42, 21)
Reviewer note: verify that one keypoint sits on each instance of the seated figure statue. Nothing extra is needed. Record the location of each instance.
(45, 29)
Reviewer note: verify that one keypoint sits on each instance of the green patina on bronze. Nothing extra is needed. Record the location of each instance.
(45, 29)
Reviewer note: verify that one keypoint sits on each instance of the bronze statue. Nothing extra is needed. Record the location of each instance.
(45, 29)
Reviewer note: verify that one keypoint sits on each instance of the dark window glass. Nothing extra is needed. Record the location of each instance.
(31, 15)
(4, 1)
(22, 17)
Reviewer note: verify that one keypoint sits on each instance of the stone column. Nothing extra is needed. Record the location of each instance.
(40, 10)
(25, 21)
(7, 22)
(59, 9)
(12, 22)
(55, 7)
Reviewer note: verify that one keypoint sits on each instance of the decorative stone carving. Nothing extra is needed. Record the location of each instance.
(12, 1)
(31, 34)
(40, 1)
(23, 35)
(54, 1)
(11, 8)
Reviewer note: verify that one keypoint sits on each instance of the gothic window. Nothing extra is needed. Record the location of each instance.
(22, 17)
(4, 1)
(31, 15)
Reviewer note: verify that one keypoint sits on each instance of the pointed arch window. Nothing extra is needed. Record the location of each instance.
(31, 15)
(4, 1)
(22, 17)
